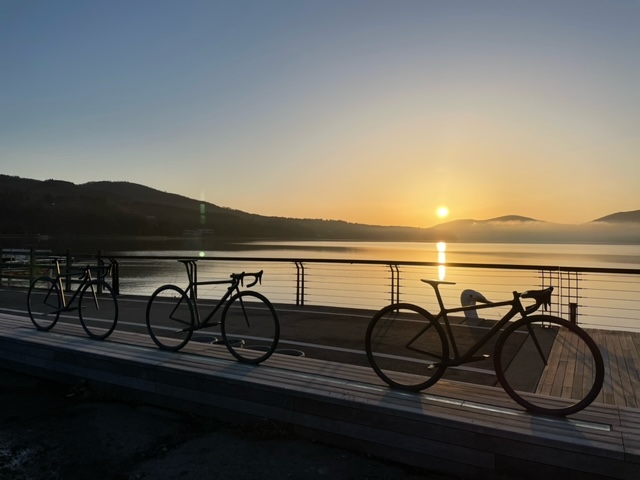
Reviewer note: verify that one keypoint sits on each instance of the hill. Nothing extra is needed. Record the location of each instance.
(621, 217)
(54, 207)
(59, 208)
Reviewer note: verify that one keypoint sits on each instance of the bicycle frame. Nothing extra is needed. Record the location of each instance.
(192, 292)
(84, 279)
(469, 356)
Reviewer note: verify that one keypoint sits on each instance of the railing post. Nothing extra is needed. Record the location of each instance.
(68, 281)
(115, 275)
(100, 263)
(1, 262)
(299, 283)
(32, 264)
(395, 283)
(573, 312)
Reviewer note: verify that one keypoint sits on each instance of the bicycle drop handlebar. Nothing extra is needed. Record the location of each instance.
(239, 277)
(541, 297)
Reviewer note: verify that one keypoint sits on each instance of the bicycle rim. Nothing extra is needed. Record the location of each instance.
(170, 318)
(404, 344)
(44, 303)
(549, 365)
(98, 309)
(250, 327)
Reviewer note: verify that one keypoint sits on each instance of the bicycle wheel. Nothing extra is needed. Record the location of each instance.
(98, 309)
(170, 318)
(249, 319)
(549, 365)
(44, 303)
(404, 345)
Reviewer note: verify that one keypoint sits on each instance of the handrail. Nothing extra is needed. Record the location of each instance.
(310, 282)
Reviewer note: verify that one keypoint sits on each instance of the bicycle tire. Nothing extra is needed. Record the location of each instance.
(387, 340)
(98, 315)
(526, 356)
(250, 327)
(44, 303)
(170, 318)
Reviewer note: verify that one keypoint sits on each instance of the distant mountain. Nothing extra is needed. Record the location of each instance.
(54, 207)
(511, 218)
(59, 208)
(621, 217)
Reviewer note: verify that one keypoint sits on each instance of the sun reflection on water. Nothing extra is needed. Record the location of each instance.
(442, 260)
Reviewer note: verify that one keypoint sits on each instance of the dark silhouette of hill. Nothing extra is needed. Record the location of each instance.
(59, 208)
(621, 217)
(54, 207)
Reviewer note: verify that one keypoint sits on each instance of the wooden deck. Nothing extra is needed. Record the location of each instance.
(620, 351)
(473, 431)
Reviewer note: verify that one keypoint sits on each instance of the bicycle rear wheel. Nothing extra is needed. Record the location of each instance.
(170, 318)
(250, 327)
(44, 302)
(404, 344)
(549, 365)
(98, 309)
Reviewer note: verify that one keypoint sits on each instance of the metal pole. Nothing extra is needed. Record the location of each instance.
(573, 312)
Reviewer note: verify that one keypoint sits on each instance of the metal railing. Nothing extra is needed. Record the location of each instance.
(596, 297)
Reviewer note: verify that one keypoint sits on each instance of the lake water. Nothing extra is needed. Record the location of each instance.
(605, 299)
(566, 255)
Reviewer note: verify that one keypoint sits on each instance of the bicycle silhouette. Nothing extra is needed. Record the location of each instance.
(97, 305)
(545, 363)
(173, 315)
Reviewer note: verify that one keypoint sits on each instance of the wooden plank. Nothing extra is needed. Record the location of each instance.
(632, 360)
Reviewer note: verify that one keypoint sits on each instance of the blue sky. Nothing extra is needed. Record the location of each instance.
(367, 111)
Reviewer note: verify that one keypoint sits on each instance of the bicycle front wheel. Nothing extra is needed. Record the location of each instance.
(44, 303)
(406, 347)
(250, 327)
(170, 318)
(98, 309)
(549, 365)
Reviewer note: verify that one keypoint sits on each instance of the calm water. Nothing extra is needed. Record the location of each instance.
(605, 299)
(566, 255)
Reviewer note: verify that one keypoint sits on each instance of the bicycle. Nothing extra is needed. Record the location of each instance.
(173, 315)
(408, 348)
(97, 304)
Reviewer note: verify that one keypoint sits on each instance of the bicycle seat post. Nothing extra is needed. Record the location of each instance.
(192, 276)
(435, 285)
(59, 280)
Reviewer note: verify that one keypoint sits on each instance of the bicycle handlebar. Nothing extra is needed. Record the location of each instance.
(239, 277)
(541, 297)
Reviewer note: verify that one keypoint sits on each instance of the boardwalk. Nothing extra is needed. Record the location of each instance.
(620, 351)
(332, 394)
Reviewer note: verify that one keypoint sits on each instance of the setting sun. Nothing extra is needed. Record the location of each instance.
(442, 212)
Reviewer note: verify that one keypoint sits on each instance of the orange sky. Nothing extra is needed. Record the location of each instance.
(365, 111)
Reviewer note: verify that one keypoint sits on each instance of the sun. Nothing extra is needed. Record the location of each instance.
(442, 212)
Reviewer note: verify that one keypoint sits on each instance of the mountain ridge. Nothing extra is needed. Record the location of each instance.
(58, 207)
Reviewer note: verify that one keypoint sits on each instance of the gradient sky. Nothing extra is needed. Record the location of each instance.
(370, 111)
